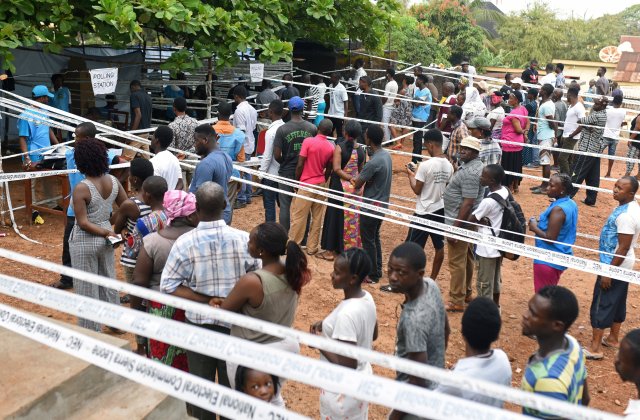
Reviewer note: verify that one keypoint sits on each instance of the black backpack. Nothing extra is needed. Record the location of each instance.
(513, 223)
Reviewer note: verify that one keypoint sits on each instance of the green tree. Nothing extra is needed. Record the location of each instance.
(450, 24)
(205, 28)
(409, 38)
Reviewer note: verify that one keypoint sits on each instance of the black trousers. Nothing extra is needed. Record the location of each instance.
(370, 236)
(337, 124)
(609, 306)
(66, 256)
(208, 368)
(417, 140)
(587, 169)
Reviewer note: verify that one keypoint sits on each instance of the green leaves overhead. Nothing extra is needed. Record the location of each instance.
(206, 28)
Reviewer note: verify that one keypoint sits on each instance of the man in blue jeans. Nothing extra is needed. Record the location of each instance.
(376, 178)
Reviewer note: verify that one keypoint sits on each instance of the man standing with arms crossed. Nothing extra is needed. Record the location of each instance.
(337, 103)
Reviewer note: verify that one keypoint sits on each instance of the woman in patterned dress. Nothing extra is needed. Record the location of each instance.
(180, 211)
(89, 246)
(341, 228)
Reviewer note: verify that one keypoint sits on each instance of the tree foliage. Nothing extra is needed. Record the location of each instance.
(206, 28)
(410, 39)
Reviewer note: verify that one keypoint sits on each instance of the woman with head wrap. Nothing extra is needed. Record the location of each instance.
(180, 210)
(514, 125)
(473, 104)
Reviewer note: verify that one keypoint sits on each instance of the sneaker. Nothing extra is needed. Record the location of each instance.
(239, 205)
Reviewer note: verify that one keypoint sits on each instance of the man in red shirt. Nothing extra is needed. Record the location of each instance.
(315, 164)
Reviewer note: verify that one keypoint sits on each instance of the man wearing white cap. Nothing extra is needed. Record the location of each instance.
(462, 195)
(35, 133)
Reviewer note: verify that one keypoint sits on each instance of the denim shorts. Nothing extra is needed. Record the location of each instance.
(612, 144)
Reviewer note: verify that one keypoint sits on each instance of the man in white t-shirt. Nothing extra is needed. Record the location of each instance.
(390, 92)
(489, 214)
(617, 237)
(481, 325)
(570, 132)
(165, 163)
(269, 164)
(429, 183)
(615, 120)
(337, 103)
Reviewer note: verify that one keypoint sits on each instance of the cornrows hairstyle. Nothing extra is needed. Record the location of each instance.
(91, 158)
(565, 180)
(241, 379)
(272, 238)
(564, 305)
(358, 262)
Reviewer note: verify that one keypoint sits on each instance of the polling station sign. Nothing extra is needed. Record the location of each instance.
(104, 80)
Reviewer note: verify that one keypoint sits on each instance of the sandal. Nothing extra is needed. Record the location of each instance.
(452, 307)
(62, 286)
(592, 356)
(607, 344)
(539, 191)
(326, 256)
(397, 147)
(311, 253)
(387, 289)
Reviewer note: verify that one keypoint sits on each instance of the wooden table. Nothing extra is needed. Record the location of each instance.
(28, 198)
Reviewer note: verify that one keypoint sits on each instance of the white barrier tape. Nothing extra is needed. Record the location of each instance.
(12, 216)
(21, 176)
(185, 386)
(404, 365)
(284, 364)
(53, 146)
(569, 261)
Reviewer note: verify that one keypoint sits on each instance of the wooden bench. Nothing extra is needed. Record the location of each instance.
(30, 206)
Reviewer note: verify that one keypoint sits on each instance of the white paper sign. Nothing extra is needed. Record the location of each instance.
(257, 72)
(104, 80)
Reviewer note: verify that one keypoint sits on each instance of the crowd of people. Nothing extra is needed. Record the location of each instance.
(175, 223)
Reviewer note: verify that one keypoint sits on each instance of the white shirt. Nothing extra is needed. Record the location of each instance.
(322, 90)
(549, 79)
(245, 118)
(574, 113)
(390, 91)
(494, 368)
(353, 320)
(497, 114)
(615, 117)
(269, 164)
(435, 173)
(633, 410)
(337, 96)
(166, 165)
(493, 211)
(629, 223)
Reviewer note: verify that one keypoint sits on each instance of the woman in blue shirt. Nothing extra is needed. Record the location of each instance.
(555, 231)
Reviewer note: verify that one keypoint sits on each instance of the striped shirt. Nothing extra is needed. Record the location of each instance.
(560, 375)
(458, 131)
(129, 257)
(591, 139)
(209, 260)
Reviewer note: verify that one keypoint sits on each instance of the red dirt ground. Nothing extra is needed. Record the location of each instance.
(318, 298)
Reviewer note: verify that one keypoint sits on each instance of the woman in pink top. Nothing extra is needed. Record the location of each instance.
(514, 126)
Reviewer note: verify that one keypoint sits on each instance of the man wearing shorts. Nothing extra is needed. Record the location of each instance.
(429, 182)
(546, 134)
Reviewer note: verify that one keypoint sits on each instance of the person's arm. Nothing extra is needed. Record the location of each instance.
(186, 293)
(137, 117)
(420, 357)
(81, 197)
(624, 244)
(267, 155)
(128, 210)
(247, 290)
(447, 330)
(52, 137)
(338, 359)
(556, 220)
(337, 164)
(328, 170)
(464, 212)
(552, 123)
(586, 397)
(378, 105)
(180, 184)
(517, 127)
(415, 185)
(141, 276)
(300, 166)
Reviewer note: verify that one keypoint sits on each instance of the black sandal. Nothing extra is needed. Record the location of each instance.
(387, 288)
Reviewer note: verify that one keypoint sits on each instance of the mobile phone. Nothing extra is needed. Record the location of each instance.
(115, 240)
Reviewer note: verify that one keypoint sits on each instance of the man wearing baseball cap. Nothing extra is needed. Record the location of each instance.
(490, 150)
(286, 149)
(35, 133)
(462, 195)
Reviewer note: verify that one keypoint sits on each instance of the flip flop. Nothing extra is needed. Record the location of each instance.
(452, 307)
(387, 289)
(592, 356)
(607, 344)
(539, 191)
(325, 256)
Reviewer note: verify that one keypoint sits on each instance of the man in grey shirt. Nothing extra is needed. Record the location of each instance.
(423, 328)
(602, 84)
(462, 195)
(376, 178)
(141, 108)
